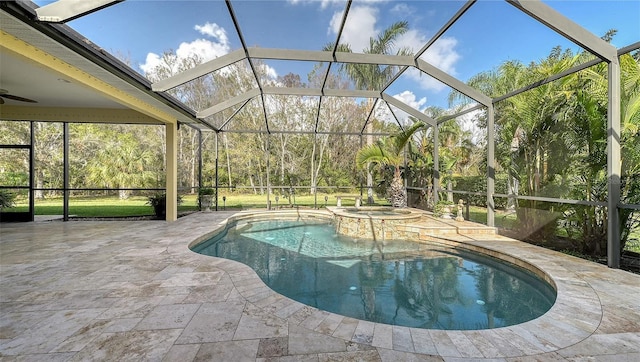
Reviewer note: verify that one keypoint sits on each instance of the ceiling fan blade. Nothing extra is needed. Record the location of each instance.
(16, 98)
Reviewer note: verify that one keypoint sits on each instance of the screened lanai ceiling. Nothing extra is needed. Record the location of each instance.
(270, 40)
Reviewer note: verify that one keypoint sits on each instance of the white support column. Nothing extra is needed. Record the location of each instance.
(613, 166)
(491, 167)
(172, 171)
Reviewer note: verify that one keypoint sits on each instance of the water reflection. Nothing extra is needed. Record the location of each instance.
(400, 283)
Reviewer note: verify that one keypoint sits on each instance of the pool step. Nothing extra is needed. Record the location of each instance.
(429, 226)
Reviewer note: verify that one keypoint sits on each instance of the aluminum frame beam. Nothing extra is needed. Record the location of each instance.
(394, 116)
(614, 165)
(317, 92)
(550, 79)
(198, 71)
(371, 111)
(461, 113)
(228, 103)
(407, 108)
(453, 82)
(433, 39)
(326, 56)
(385, 59)
(290, 54)
(67, 10)
(629, 48)
(566, 27)
(330, 133)
(333, 56)
(226, 122)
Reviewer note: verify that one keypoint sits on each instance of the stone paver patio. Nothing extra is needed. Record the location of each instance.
(132, 290)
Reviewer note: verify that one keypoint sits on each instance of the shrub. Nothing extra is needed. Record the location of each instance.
(159, 204)
(479, 184)
(6, 199)
(206, 191)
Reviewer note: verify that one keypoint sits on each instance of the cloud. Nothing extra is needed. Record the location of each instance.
(269, 72)
(441, 54)
(360, 27)
(205, 49)
(410, 99)
(407, 97)
(213, 30)
(402, 9)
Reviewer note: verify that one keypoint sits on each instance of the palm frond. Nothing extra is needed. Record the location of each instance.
(371, 154)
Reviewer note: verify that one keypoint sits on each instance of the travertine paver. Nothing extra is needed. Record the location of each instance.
(132, 290)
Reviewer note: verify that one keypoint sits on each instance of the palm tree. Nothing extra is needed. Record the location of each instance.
(373, 76)
(122, 164)
(588, 118)
(389, 152)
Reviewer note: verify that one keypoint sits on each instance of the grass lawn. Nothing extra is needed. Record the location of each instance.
(137, 205)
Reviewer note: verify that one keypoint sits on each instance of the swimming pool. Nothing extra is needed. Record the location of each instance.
(394, 282)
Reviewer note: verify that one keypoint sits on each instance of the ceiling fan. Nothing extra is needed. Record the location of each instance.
(5, 94)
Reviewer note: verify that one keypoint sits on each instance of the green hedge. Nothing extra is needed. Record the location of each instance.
(479, 184)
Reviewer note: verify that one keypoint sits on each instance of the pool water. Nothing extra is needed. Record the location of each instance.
(395, 282)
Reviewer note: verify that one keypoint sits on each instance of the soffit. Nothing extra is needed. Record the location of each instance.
(25, 78)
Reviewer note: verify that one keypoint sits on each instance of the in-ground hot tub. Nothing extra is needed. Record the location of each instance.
(377, 223)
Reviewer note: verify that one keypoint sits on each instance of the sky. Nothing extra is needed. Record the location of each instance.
(489, 33)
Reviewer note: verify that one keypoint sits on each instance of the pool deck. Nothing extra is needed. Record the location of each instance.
(132, 290)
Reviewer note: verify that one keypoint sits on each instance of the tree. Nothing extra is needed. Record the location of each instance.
(587, 97)
(552, 139)
(122, 164)
(389, 152)
(374, 76)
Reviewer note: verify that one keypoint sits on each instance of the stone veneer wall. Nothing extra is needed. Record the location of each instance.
(375, 228)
